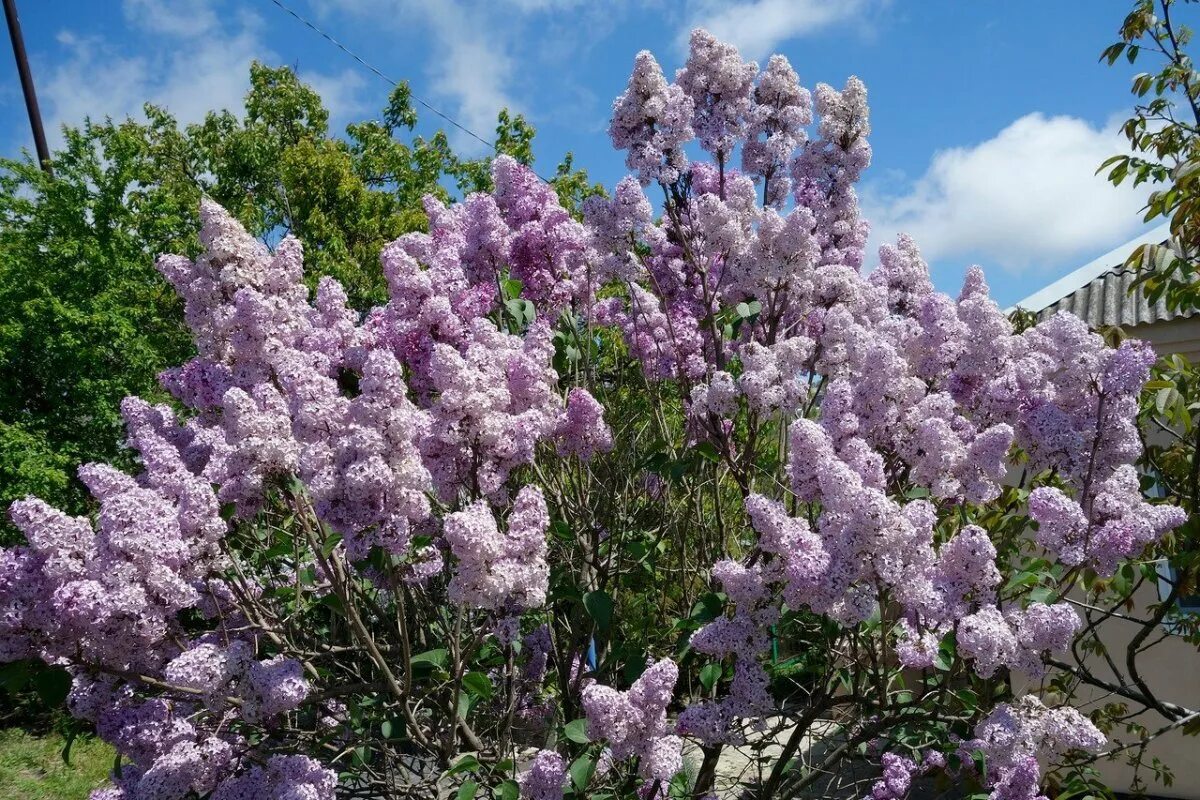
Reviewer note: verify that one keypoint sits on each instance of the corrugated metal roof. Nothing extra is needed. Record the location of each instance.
(1098, 292)
(1106, 300)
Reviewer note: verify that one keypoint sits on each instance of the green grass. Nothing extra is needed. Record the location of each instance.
(31, 767)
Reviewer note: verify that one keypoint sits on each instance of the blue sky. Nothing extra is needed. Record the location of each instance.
(989, 116)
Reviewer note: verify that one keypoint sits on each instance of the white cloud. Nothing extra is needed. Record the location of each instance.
(472, 65)
(191, 56)
(470, 68)
(757, 27)
(1026, 198)
(486, 55)
(181, 18)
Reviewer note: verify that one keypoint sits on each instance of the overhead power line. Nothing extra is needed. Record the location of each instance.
(311, 26)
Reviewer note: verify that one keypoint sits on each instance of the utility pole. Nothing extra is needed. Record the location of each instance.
(31, 103)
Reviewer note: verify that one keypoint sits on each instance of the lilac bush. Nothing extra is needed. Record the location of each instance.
(596, 499)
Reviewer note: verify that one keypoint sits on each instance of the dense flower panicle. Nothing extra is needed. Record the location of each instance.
(614, 226)
(549, 251)
(634, 722)
(773, 378)
(721, 86)
(801, 560)
(494, 569)
(282, 778)
(1017, 639)
(259, 429)
(496, 400)
(583, 431)
(1015, 736)
(273, 687)
(965, 571)
(823, 173)
(1121, 524)
(545, 778)
(775, 125)
(775, 263)
(368, 479)
(209, 668)
(986, 637)
(794, 570)
(112, 591)
(264, 689)
(667, 345)
(897, 778)
(652, 119)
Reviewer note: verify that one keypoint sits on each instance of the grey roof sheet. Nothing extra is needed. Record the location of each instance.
(1106, 300)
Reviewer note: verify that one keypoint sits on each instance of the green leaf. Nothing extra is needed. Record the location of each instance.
(512, 287)
(464, 705)
(1041, 594)
(599, 607)
(707, 451)
(66, 751)
(467, 763)
(14, 676)
(478, 684)
(576, 731)
(710, 675)
(508, 790)
(581, 771)
(436, 657)
(52, 685)
(707, 607)
(334, 604)
(467, 790)
(330, 542)
(521, 310)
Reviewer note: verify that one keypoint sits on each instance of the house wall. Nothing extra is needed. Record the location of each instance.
(1172, 667)
(1173, 336)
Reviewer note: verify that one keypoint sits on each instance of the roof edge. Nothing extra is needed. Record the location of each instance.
(1051, 294)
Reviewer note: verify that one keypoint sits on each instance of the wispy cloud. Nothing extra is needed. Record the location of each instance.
(486, 55)
(1025, 199)
(191, 56)
(472, 70)
(758, 27)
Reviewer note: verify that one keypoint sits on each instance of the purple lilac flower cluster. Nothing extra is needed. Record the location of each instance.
(496, 570)
(910, 384)
(545, 778)
(634, 722)
(1015, 736)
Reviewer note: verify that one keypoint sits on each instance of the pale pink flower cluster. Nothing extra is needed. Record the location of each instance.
(264, 688)
(1121, 523)
(652, 120)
